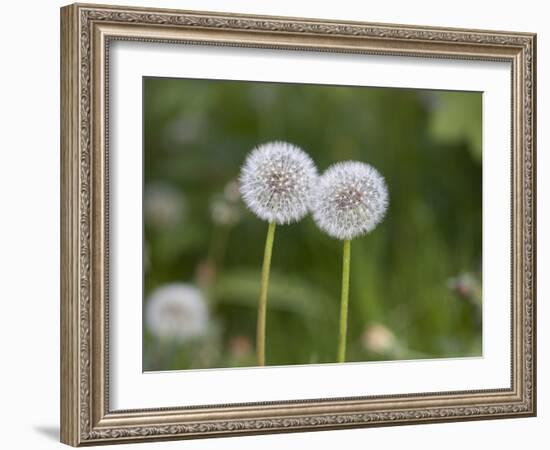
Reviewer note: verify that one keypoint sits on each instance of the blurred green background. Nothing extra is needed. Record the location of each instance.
(415, 280)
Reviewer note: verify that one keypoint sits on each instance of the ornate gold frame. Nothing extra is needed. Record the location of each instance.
(86, 31)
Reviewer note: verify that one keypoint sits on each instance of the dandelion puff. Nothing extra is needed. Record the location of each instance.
(276, 182)
(351, 199)
(177, 311)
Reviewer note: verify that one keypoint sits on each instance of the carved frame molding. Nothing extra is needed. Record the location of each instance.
(86, 31)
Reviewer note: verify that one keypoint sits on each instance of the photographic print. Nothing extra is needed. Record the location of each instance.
(292, 224)
(344, 212)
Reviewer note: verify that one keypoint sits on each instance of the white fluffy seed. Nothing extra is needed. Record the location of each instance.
(350, 200)
(277, 181)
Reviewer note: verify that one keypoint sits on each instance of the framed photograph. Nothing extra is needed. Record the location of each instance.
(276, 224)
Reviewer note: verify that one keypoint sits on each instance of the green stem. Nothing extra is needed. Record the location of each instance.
(262, 309)
(344, 302)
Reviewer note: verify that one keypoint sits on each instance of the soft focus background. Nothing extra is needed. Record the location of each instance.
(415, 280)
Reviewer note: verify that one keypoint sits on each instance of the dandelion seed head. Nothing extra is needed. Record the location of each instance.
(350, 200)
(277, 181)
(177, 311)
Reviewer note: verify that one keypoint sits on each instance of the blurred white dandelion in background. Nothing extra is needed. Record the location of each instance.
(467, 285)
(224, 213)
(350, 200)
(377, 338)
(224, 208)
(276, 182)
(184, 130)
(231, 191)
(177, 311)
(163, 204)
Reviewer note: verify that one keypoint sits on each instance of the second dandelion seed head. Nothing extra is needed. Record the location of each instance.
(277, 181)
(350, 200)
